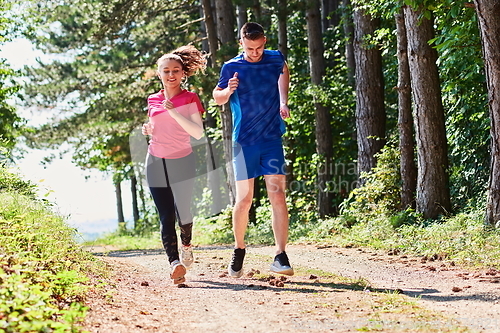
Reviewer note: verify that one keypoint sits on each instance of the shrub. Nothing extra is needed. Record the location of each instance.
(44, 273)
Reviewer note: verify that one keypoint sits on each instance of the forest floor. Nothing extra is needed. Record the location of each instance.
(333, 290)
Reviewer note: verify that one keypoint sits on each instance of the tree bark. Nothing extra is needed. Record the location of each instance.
(282, 14)
(257, 11)
(370, 110)
(135, 202)
(241, 15)
(488, 12)
(119, 202)
(329, 14)
(225, 29)
(211, 30)
(324, 145)
(348, 26)
(433, 197)
(210, 121)
(408, 168)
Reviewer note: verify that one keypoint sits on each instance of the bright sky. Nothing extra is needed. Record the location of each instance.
(90, 204)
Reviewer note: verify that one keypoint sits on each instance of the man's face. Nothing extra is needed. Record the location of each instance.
(254, 49)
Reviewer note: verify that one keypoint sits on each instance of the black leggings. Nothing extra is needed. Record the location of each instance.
(171, 184)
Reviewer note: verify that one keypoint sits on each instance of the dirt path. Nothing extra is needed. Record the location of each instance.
(333, 290)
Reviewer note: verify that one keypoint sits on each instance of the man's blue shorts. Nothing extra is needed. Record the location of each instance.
(257, 160)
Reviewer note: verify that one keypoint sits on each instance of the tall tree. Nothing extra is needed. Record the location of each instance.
(370, 110)
(211, 30)
(433, 194)
(282, 14)
(226, 23)
(329, 15)
(119, 201)
(488, 12)
(348, 27)
(408, 167)
(135, 203)
(324, 145)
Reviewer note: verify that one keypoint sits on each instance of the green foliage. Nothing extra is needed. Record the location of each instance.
(105, 70)
(12, 182)
(101, 72)
(27, 308)
(214, 230)
(128, 240)
(380, 193)
(465, 100)
(44, 274)
(10, 122)
(300, 145)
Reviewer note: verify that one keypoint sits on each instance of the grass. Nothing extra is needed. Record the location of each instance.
(44, 273)
(462, 238)
(119, 241)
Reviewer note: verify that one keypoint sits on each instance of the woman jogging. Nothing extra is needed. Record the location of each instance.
(174, 117)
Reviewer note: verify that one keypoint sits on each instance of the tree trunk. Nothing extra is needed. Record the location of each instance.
(433, 196)
(408, 167)
(210, 121)
(225, 29)
(324, 145)
(135, 203)
(329, 14)
(370, 110)
(488, 12)
(241, 15)
(257, 11)
(211, 31)
(282, 14)
(147, 223)
(213, 181)
(348, 26)
(119, 202)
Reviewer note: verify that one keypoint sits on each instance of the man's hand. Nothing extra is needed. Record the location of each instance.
(233, 82)
(221, 96)
(284, 111)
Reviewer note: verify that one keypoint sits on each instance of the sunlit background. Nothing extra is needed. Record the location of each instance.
(87, 198)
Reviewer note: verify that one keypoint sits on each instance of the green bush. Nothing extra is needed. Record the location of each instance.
(11, 182)
(380, 192)
(44, 273)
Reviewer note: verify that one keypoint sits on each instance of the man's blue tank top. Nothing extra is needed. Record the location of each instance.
(255, 105)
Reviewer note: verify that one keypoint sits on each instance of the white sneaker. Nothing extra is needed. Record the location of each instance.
(187, 258)
(177, 272)
(281, 265)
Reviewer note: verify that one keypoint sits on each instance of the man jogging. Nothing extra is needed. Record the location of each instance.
(256, 85)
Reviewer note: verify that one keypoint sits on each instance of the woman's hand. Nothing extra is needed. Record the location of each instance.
(147, 129)
(167, 104)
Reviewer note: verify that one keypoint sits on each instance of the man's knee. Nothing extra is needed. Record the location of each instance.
(277, 197)
(243, 204)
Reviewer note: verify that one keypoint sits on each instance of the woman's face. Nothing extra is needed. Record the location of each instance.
(170, 73)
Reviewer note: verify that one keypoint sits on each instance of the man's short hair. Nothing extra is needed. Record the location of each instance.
(252, 31)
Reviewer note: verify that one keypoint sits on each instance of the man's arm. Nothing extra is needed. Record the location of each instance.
(222, 96)
(283, 86)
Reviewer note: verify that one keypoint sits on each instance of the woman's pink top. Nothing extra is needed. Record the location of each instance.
(169, 140)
